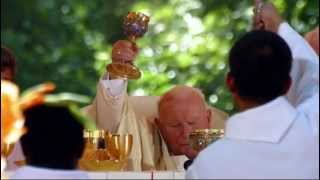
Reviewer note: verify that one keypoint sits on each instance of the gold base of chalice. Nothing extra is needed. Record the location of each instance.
(201, 138)
(122, 70)
(105, 165)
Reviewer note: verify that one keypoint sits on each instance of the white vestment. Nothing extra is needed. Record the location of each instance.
(30, 172)
(115, 111)
(279, 139)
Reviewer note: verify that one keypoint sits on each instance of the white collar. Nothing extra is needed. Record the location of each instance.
(179, 160)
(268, 122)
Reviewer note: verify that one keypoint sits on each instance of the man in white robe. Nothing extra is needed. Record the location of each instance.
(278, 139)
(30, 172)
(115, 111)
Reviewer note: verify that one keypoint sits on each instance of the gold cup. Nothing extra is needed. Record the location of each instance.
(120, 146)
(114, 147)
(135, 25)
(125, 146)
(201, 138)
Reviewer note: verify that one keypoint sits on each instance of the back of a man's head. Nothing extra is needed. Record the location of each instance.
(8, 64)
(260, 64)
(54, 138)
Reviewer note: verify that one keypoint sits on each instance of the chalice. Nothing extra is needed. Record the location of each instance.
(120, 146)
(135, 25)
(201, 138)
(125, 146)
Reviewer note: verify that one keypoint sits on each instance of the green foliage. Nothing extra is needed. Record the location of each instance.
(69, 42)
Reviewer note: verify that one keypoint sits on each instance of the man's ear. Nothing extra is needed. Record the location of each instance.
(230, 83)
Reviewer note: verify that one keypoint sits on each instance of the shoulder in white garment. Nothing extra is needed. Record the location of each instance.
(295, 154)
(30, 172)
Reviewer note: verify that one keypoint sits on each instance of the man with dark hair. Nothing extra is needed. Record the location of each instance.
(8, 64)
(273, 136)
(260, 64)
(52, 145)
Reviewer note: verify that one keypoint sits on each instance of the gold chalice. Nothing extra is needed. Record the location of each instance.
(201, 138)
(120, 146)
(135, 25)
(114, 147)
(125, 146)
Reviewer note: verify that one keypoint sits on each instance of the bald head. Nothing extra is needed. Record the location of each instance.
(182, 94)
(182, 110)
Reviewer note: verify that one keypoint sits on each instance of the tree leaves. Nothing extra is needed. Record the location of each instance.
(69, 42)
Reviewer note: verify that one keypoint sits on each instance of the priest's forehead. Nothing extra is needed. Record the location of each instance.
(183, 96)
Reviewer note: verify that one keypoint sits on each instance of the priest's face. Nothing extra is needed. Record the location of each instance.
(178, 118)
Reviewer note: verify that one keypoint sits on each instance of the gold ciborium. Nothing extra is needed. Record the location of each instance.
(201, 138)
(105, 151)
(135, 25)
(95, 146)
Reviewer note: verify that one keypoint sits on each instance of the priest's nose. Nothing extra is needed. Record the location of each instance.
(187, 129)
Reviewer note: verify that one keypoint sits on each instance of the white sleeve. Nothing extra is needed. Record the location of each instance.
(304, 91)
(113, 87)
(107, 107)
(191, 173)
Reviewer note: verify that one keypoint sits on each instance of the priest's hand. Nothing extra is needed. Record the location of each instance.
(266, 17)
(124, 51)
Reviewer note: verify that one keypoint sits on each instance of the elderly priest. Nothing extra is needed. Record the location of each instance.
(160, 125)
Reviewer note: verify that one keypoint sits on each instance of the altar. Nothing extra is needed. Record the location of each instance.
(129, 175)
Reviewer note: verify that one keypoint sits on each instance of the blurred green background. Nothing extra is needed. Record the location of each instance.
(69, 42)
